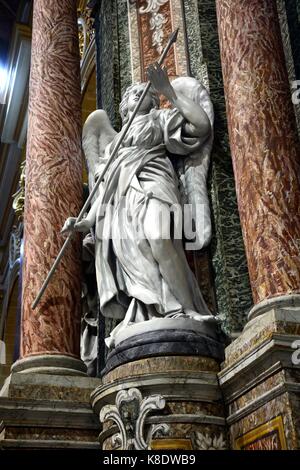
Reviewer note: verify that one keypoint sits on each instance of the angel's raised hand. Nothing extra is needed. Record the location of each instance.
(159, 79)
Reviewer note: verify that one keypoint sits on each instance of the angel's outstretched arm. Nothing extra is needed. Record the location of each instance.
(198, 124)
(91, 217)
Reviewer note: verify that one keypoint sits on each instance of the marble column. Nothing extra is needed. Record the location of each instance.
(50, 334)
(264, 145)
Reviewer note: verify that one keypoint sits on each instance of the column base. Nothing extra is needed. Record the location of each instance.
(46, 411)
(56, 364)
(171, 402)
(281, 301)
(260, 380)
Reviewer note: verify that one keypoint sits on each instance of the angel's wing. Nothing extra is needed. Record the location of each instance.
(196, 165)
(96, 135)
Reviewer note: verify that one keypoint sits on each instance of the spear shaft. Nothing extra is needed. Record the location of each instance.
(171, 41)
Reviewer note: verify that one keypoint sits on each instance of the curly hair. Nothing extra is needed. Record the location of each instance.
(123, 108)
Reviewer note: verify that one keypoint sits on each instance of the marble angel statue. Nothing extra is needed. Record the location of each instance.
(142, 274)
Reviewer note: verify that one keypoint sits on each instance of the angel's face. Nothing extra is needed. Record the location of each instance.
(134, 96)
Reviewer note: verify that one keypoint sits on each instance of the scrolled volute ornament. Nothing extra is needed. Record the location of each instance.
(129, 414)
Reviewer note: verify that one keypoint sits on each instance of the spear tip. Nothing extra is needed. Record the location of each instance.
(173, 37)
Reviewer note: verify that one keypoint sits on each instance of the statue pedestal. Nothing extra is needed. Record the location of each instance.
(48, 411)
(260, 381)
(167, 402)
(165, 337)
(163, 343)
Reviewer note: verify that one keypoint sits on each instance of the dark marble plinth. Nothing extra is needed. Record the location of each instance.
(164, 343)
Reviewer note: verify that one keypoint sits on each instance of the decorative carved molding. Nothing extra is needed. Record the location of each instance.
(129, 414)
(87, 47)
(15, 245)
(206, 442)
(19, 196)
(157, 20)
(86, 30)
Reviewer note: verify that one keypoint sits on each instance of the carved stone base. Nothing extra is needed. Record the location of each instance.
(171, 402)
(42, 411)
(164, 343)
(260, 382)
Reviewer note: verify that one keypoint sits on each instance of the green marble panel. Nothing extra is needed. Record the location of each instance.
(124, 46)
(233, 293)
(113, 56)
(113, 77)
(293, 17)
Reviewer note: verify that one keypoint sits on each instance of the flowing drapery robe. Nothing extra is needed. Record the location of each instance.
(130, 284)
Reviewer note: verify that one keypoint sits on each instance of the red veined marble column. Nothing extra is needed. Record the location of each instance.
(50, 334)
(264, 146)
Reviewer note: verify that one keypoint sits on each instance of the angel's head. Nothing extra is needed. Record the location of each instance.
(131, 98)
